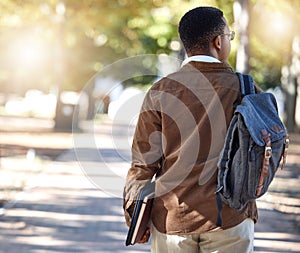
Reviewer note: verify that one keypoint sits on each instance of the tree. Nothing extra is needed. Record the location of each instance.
(96, 33)
(272, 29)
(242, 20)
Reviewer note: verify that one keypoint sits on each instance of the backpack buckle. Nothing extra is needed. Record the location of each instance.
(268, 152)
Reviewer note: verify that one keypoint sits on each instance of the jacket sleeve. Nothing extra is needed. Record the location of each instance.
(146, 153)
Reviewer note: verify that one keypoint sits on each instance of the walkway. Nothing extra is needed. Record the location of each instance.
(76, 207)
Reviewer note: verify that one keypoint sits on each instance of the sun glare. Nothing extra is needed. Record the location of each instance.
(280, 24)
(28, 53)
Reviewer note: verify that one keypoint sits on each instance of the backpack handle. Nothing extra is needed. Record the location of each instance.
(246, 83)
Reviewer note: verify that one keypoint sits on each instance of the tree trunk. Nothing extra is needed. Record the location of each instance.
(290, 80)
(241, 10)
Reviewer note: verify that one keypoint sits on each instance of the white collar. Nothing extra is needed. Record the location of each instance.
(201, 58)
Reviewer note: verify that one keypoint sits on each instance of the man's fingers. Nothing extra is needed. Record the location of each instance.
(145, 237)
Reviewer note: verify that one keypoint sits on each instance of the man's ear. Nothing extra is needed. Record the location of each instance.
(218, 42)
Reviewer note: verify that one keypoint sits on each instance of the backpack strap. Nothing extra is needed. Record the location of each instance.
(265, 165)
(219, 207)
(246, 83)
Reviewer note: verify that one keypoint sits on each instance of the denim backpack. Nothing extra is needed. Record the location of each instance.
(255, 143)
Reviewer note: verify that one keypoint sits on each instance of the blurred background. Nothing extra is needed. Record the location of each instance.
(51, 49)
(72, 67)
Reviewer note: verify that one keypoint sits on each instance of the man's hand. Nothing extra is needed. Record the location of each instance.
(146, 236)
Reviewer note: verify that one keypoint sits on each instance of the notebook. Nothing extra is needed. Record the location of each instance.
(141, 214)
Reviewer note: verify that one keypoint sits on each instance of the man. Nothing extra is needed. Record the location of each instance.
(179, 135)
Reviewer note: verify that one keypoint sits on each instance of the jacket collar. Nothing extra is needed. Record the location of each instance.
(200, 58)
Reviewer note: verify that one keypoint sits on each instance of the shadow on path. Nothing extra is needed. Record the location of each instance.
(65, 220)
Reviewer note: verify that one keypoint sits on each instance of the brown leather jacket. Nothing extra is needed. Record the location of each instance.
(181, 129)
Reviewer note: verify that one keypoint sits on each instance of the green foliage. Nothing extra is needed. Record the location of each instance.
(273, 27)
(43, 45)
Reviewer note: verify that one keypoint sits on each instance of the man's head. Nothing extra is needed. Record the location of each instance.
(204, 30)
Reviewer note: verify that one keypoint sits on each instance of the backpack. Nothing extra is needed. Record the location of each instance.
(255, 143)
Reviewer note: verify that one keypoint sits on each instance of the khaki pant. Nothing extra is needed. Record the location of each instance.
(238, 239)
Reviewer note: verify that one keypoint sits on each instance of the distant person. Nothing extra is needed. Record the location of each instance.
(180, 132)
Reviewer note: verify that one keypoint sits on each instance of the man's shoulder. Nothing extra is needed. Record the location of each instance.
(167, 81)
(198, 75)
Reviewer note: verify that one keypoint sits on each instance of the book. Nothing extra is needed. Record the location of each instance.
(141, 214)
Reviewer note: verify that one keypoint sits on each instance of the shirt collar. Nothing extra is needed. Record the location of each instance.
(201, 58)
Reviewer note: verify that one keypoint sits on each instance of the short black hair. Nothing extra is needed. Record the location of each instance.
(199, 26)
